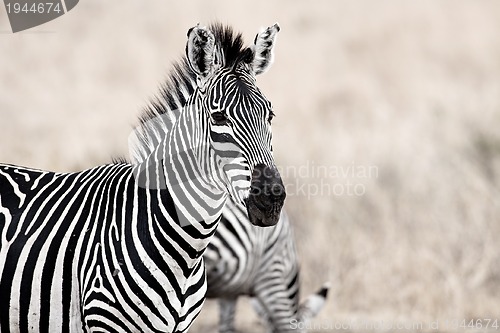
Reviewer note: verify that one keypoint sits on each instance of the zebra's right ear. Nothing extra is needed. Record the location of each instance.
(200, 50)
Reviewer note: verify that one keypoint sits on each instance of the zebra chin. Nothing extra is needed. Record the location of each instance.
(263, 217)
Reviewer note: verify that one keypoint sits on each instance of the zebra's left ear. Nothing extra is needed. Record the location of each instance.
(200, 50)
(263, 49)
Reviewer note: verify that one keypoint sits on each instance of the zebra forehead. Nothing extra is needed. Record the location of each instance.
(246, 86)
(241, 88)
(246, 104)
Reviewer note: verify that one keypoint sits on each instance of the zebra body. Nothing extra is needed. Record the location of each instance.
(64, 244)
(118, 248)
(258, 262)
(239, 254)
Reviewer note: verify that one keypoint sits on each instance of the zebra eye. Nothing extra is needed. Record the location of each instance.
(271, 116)
(219, 118)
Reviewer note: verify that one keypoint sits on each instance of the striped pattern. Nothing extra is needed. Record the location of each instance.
(118, 248)
(260, 262)
(67, 253)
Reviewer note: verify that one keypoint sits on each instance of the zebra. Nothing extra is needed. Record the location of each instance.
(118, 247)
(259, 262)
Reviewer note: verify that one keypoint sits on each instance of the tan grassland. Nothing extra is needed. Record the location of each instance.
(387, 133)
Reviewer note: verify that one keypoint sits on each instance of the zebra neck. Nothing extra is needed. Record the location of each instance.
(189, 174)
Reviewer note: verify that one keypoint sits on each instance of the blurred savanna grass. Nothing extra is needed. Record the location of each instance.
(410, 88)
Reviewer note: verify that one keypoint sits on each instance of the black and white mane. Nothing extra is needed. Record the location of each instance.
(162, 112)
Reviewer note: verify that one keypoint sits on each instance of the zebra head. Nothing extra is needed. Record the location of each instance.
(238, 116)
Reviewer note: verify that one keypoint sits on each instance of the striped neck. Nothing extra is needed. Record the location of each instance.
(190, 175)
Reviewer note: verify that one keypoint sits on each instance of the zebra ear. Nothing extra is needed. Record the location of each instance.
(200, 49)
(263, 49)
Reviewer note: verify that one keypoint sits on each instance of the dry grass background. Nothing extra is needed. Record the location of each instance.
(409, 88)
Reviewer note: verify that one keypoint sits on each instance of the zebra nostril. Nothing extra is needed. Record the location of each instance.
(277, 193)
(267, 187)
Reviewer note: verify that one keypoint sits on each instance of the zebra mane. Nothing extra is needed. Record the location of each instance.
(164, 109)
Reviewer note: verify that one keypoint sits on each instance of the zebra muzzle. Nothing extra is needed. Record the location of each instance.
(267, 196)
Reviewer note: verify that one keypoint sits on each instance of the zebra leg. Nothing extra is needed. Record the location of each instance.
(279, 311)
(276, 310)
(227, 310)
(261, 312)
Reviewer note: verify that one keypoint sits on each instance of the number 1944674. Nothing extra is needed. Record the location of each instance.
(35, 8)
